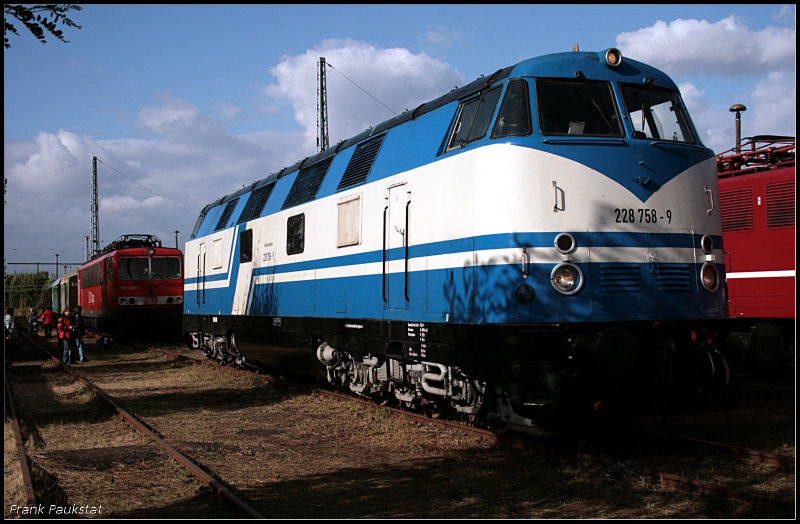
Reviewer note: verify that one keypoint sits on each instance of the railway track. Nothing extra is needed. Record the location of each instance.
(297, 455)
(196, 471)
(654, 476)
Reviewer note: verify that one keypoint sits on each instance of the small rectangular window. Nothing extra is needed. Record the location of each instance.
(246, 246)
(473, 120)
(216, 254)
(349, 222)
(295, 234)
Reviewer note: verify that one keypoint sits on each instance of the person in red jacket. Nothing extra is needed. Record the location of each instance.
(48, 319)
(65, 335)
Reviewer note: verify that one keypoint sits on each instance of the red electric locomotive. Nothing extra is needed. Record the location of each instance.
(133, 285)
(757, 200)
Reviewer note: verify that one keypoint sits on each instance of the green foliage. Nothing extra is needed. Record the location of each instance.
(24, 290)
(36, 24)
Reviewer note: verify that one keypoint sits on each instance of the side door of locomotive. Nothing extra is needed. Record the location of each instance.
(396, 247)
(200, 286)
(105, 283)
(248, 252)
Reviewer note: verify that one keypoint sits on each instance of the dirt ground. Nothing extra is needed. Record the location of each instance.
(293, 454)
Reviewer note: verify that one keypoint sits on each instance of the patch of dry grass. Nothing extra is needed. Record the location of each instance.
(297, 455)
(13, 486)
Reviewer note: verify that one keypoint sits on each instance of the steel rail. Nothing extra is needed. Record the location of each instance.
(26, 472)
(198, 473)
(754, 455)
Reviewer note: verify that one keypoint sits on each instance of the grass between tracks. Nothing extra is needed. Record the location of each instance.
(296, 455)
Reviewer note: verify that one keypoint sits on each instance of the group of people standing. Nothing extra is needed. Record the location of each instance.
(70, 328)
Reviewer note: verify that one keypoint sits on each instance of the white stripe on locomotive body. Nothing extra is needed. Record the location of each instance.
(762, 274)
(498, 189)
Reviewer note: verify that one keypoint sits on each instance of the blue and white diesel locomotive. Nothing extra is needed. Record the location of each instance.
(542, 244)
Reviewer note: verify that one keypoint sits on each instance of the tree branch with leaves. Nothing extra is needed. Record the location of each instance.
(38, 19)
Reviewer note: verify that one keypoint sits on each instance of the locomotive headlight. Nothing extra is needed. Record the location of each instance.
(613, 57)
(179, 300)
(565, 243)
(567, 278)
(707, 243)
(131, 301)
(121, 301)
(709, 276)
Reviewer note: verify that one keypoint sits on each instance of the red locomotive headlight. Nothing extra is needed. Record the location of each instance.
(121, 301)
(709, 276)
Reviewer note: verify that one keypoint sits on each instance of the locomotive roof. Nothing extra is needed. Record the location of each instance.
(557, 65)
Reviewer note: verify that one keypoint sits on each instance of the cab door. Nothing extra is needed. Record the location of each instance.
(201, 278)
(396, 247)
(248, 251)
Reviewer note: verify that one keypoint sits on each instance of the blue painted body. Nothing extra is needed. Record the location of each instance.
(484, 294)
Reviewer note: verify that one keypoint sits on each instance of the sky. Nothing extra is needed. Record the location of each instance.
(185, 104)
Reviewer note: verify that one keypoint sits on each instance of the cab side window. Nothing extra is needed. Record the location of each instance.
(474, 117)
(514, 118)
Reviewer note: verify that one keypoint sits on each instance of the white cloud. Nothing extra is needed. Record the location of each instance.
(192, 162)
(442, 38)
(694, 98)
(786, 14)
(723, 62)
(398, 78)
(774, 106)
(726, 47)
(228, 111)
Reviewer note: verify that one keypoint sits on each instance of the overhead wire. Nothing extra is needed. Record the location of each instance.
(146, 189)
(361, 88)
(62, 250)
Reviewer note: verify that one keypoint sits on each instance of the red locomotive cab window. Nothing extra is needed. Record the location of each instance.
(131, 268)
(150, 268)
(165, 268)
